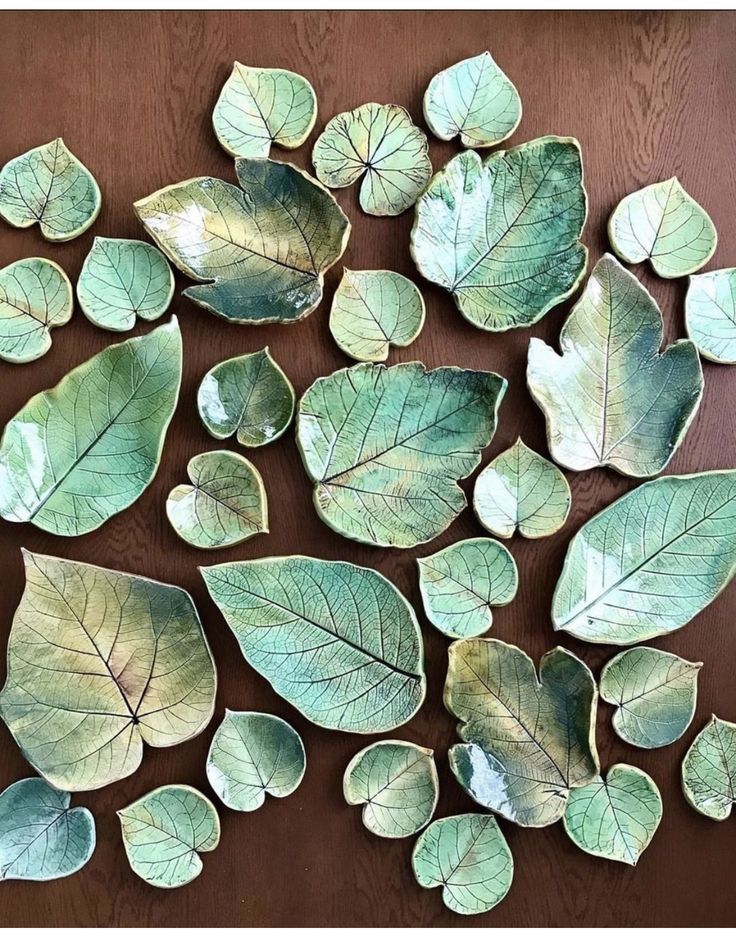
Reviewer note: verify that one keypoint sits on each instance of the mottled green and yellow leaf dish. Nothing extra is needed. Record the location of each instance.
(709, 770)
(35, 297)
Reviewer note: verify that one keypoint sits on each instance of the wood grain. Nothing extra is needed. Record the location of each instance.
(648, 95)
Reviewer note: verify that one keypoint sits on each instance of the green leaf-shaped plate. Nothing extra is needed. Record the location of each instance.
(35, 296)
(654, 692)
(83, 451)
(710, 314)
(382, 142)
(651, 561)
(260, 251)
(615, 817)
(521, 490)
(260, 107)
(385, 447)
(474, 99)
(469, 857)
(246, 396)
(612, 399)
(165, 831)
(397, 784)
(461, 583)
(224, 505)
(49, 186)
(504, 235)
(709, 770)
(100, 662)
(122, 279)
(530, 740)
(41, 836)
(372, 310)
(338, 641)
(253, 754)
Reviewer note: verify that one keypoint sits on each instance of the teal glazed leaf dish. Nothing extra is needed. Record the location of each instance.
(385, 447)
(81, 452)
(49, 186)
(612, 399)
(709, 770)
(260, 250)
(99, 663)
(337, 641)
(503, 235)
(35, 297)
(651, 561)
(41, 836)
(710, 314)
(261, 107)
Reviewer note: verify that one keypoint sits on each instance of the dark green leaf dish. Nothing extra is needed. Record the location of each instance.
(35, 297)
(710, 314)
(709, 770)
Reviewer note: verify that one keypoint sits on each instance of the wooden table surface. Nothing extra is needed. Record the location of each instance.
(648, 96)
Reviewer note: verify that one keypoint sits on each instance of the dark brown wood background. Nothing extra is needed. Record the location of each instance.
(648, 96)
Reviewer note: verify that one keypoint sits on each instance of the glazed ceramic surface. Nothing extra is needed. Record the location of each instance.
(35, 297)
(529, 740)
(654, 692)
(122, 279)
(100, 662)
(338, 641)
(41, 836)
(165, 832)
(397, 784)
(382, 142)
(651, 561)
(709, 770)
(473, 99)
(224, 505)
(521, 490)
(469, 857)
(246, 396)
(254, 754)
(710, 314)
(49, 186)
(463, 582)
(504, 235)
(261, 107)
(261, 249)
(664, 224)
(373, 310)
(83, 451)
(385, 447)
(612, 399)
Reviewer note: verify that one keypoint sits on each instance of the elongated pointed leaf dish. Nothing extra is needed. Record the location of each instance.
(35, 297)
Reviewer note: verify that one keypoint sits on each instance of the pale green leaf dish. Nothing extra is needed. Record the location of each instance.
(247, 396)
(81, 452)
(463, 582)
(35, 297)
(49, 186)
(612, 399)
(710, 314)
(709, 770)
(473, 99)
(260, 250)
(651, 561)
(382, 142)
(99, 663)
(664, 224)
(224, 505)
(254, 754)
(615, 817)
(654, 692)
(122, 279)
(373, 310)
(41, 836)
(529, 740)
(164, 833)
(338, 641)
(261, 107)
(469, 857)
(503, 235)
(521, 490)
(385, 447)
(397, 784)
